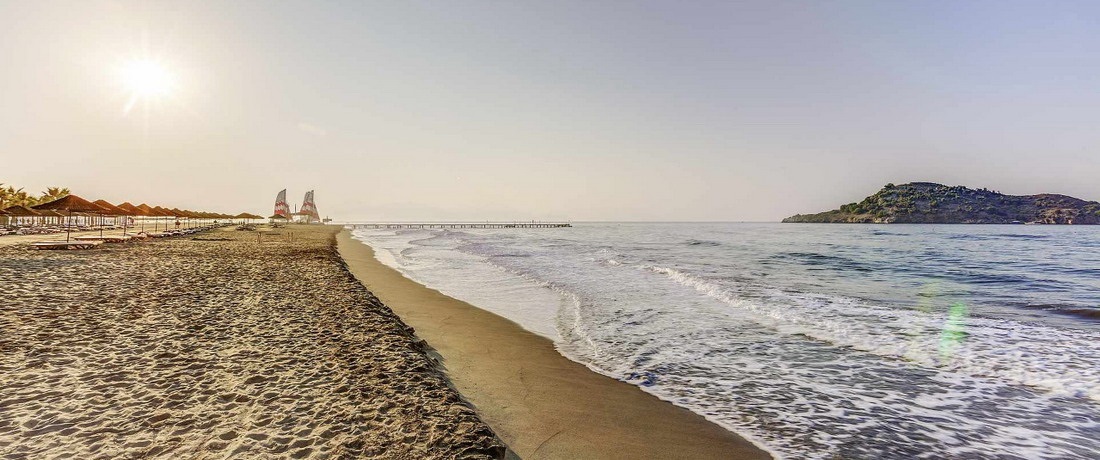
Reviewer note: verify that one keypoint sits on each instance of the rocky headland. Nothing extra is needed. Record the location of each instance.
(931, 203)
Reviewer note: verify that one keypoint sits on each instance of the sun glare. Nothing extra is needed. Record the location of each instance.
(147, 78)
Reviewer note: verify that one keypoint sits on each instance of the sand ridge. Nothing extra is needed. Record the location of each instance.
(213, 349)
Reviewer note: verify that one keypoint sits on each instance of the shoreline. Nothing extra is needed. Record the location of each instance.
(538, 402)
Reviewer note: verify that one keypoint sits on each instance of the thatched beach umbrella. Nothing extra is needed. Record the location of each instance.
(200, 215)
(161, 212)
(146, 211)
(171, 216)
(220, 216)
(20, 211)
(70, 204)
(156, 213)
(183, 214)
(189, 214)
(178, 213)
(131, 211)
(49, 213)
(109, 210)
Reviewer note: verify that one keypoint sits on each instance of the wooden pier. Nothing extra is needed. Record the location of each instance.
(461, 225)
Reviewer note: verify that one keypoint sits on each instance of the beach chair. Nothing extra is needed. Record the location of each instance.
(73, 244)
(104, 238)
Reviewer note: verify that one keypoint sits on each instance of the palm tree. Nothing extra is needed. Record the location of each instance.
(53, 193)
(12, 196)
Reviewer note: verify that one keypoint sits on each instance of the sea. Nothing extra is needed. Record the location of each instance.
(814, 341)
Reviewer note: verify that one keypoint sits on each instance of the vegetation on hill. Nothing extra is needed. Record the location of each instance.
(11, 196)
(930, 203)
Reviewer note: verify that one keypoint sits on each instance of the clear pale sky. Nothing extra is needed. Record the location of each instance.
(591, 110)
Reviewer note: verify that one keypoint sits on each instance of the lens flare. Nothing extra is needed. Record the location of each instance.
(954, 331)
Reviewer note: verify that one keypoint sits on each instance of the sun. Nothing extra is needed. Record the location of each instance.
(146, 78)
(146, 82)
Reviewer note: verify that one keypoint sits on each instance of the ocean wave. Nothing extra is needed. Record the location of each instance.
(994, 236)
(1021, 236)
(818, 259)
(878, 232)
(1069, 310)
(741, 334)
(1008, 350)
(702, 243)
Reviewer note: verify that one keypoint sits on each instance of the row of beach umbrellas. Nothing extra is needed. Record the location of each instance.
(69, 205)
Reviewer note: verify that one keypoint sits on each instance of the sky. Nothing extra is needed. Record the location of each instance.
(608, 111)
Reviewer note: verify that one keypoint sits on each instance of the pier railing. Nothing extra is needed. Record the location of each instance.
(460, 225)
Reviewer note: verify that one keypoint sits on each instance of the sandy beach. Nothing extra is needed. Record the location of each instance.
(16, 240)
(542, 405)
(216, 346)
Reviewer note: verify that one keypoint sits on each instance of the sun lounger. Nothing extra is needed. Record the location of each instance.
(105, 238)
(66, 244)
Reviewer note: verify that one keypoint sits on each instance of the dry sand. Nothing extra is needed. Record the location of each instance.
(541, 404)
(15, 240)
(187, 348)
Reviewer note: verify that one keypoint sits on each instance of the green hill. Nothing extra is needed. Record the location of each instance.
(930, 203)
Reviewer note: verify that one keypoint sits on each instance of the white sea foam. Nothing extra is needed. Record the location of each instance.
(1026, 354)
(758, 331)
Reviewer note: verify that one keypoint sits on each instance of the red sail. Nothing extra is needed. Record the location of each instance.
(309, 209)
(281, 206)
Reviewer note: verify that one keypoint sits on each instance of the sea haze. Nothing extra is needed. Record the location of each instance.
(863, 341)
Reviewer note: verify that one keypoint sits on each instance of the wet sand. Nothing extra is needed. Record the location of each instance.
(214, 347)
(542, 405)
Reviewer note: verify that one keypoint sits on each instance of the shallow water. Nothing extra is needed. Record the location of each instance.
(863, 341)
